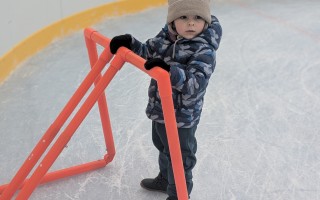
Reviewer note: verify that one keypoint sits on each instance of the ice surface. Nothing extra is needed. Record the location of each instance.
(259, 134)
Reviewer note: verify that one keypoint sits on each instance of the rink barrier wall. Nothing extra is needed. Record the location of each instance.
(40, 39)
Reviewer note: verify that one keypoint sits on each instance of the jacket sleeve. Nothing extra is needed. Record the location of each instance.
(142, 49)
(193, 78)
(151, 47)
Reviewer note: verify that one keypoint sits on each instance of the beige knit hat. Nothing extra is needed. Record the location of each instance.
(178, 8)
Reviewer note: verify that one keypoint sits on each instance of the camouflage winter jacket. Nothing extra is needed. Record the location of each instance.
(192, 62)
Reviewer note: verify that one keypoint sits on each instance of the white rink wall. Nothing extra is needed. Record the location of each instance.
(19, 19)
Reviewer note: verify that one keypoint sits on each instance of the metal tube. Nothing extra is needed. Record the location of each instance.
(50, 134)
(66, 135)
(102, 102)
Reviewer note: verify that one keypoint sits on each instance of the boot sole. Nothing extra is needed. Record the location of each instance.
(153, 190)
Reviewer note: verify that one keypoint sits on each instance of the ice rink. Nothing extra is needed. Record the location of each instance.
(259, 135)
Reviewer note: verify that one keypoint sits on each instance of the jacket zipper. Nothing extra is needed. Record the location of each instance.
(179, 102)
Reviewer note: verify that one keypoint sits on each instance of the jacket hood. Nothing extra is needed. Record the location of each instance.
(211, 35)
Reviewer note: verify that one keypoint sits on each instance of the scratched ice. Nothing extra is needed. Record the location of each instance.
(259, 134)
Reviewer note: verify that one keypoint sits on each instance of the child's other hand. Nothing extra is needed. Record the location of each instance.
(156, 62)
(120, 41)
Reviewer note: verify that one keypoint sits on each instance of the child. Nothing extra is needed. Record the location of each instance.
(186, 48)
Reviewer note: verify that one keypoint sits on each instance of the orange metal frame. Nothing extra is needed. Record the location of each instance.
(40, 175)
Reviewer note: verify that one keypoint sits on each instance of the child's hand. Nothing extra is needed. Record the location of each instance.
(156, 62)
(120, 41)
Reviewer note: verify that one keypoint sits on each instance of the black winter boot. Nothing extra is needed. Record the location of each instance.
(159, 183)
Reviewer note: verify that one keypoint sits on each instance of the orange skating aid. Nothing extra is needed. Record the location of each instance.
(101, 81)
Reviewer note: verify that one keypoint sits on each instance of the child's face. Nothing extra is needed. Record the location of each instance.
(189, 26)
